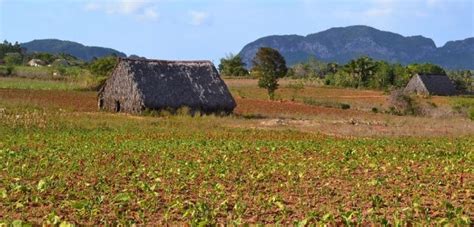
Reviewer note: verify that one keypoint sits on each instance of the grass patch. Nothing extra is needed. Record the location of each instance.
(463, 105)
(34, 84)
(326, 103)
(462, 102)
(85, 83)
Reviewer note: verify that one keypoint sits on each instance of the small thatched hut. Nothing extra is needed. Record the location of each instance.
(431, 85)
(36, 63)
(136, 85)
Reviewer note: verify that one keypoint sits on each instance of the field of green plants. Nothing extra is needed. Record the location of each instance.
(72, 166)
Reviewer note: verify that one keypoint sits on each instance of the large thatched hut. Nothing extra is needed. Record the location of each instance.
(431, 85)
(137, 84)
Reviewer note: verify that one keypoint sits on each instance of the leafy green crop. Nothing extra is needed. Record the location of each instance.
(59, 167)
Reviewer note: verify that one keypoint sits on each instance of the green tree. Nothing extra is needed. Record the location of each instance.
(47, 58)
(103, 66)
(401, 76)
(383, 76)
(7, 47)
(268, 66)
(344, 79)
(463, 80)
(426, 68)
(299, 70)
(361, 70)
(13, 58)
(365, 72)
(316, 67)
(310, 68)
(332, 67)
(232, 65)
(67, 57)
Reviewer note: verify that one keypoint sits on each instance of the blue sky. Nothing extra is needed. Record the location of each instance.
(210, 29)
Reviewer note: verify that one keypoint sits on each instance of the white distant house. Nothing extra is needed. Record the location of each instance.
(36, 63)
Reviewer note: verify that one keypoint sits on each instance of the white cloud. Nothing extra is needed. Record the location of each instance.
(381, 8)
(377, 9)
(378, 12)
(140, 9)
(127, 6)
(420, 13)
(198, 17)
(92, 6)
(434, 3)
(149, 14)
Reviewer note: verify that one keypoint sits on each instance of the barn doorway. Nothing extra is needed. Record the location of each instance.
(117, 106)
(101, 103)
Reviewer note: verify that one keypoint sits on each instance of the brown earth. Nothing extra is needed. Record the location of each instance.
(259, 113)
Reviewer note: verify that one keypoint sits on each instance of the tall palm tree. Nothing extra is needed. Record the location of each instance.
(361, 70)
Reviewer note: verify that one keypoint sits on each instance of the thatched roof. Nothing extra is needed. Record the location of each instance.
(171, 84)
(431, 84)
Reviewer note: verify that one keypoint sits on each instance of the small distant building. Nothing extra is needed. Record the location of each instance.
(36, 63)
(431, 85)
(136, 85)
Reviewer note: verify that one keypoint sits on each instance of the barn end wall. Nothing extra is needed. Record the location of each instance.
(120, 93)
(431, 85)
(415, 85)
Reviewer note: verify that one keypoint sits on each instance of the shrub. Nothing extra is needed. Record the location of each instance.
(464, 105)
(7, 71)
(330, 104)
(13, 58)
(150, 113)
(342, 79)
(402, 104)
(232, 65)
(184, 111)
(345, 106)
(295, 88)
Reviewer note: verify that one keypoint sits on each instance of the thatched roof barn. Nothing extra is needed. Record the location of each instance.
(136, 85)
(431, 85)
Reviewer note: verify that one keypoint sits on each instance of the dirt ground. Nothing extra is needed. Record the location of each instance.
(276, 115)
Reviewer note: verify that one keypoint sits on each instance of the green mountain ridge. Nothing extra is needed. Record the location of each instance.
(56, 46)
(345, 43)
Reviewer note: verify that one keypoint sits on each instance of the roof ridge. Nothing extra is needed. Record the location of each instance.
(165, 61)
(437, 74)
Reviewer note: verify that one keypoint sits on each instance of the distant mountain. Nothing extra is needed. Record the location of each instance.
(346, 43)
(136, 57)
(55, 46)
(455, 54)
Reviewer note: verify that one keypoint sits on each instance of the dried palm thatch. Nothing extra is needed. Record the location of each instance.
(431, 85)
(136, 85)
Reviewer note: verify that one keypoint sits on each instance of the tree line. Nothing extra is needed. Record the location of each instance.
(14, 55)
(363, 72)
